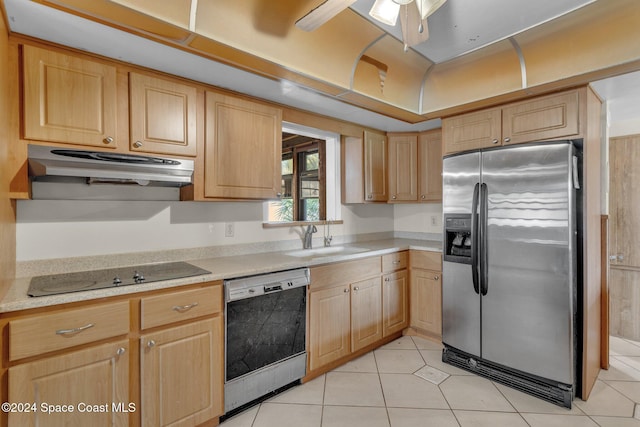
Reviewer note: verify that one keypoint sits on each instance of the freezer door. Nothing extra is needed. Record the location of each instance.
(460, 302)
(528, 309)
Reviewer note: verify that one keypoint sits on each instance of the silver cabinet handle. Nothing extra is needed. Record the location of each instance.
(423, 197)
(74, 330)
(183, 308)
(121, 351)
(495, 141)
(108, 140)
(507, 139)
(436, 277)
(613, 257)
(396, 262)
(620, 257)
(386, 279)
(278, 195)
(394, 197)
(369, 196)
(356, 288)
(151, 344)
(346, 291)
(137, 144)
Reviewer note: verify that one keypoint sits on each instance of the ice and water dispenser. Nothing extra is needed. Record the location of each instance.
(457, 238)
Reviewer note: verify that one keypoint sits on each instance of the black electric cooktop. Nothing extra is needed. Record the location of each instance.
(110, 278)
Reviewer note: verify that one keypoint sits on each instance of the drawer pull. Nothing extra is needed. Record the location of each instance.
(74, 330)
(396, 262)
(183, 308)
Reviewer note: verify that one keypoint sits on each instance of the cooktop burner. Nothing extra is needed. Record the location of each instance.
(112, 277)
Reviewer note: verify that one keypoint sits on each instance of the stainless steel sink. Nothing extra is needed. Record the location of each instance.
(326, 251)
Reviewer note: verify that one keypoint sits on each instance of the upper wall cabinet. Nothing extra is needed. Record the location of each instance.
(415, 166)
(430, 166)
(243, 148)
(68, 99)
(375, 167)
(539, 119)
(403, 167)
(162, 115)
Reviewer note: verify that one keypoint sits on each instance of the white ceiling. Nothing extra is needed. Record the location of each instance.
(462, 26)
(36, 20)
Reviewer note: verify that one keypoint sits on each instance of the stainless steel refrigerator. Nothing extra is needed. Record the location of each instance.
(510, 266)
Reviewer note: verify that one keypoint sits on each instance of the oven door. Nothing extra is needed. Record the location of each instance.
(264, 330)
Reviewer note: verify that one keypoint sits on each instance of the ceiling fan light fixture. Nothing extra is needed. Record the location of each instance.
(385, 11)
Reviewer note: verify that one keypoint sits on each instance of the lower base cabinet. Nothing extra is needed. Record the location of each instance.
(81, 388)
(426, 301)
(180, 374)
(366, 313)
(395, 299)
(330, 325)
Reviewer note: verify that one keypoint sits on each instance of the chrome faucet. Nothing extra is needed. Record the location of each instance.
(307, 243)
(327, 233)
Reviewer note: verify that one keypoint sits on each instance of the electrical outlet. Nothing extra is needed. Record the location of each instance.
(210, 228)
(228, 229)
(434, 220)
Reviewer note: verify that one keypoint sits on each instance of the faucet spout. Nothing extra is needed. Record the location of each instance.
(308, 241)
(327, 233)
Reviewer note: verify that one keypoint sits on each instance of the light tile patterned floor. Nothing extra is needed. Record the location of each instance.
(405, 384)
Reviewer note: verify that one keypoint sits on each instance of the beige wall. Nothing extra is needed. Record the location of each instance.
(7, 215)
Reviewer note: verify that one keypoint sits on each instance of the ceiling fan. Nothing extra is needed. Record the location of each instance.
(413, 16)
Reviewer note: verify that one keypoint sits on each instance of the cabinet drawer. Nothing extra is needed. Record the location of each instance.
(395, 261)
(338, 274)
(176, 306)
(48, 332)
(426, 260)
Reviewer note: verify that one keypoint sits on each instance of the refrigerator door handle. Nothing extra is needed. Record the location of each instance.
(483, 239)
(474, 239)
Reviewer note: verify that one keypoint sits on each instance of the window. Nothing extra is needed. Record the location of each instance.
(310, 177)
(303, 194)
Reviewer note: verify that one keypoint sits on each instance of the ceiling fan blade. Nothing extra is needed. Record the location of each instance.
(322, 14)
(411, 23)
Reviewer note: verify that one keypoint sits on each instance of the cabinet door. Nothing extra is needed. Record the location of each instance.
(163, 116)
(366, 313)
(68, 99)
(243, 149)
(430, 166)
(329, 328)
(548, 117)
(395, 302)
(375, 167)
(403, 167)
(472, 131)
(426, 301)
(95, 379)
(181, 374)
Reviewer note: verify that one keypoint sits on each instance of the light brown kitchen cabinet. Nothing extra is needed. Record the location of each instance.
(430, 166)
(403, 167)
(83, 355)
(395, 292)
(68, 99)
(92, 384)
(162, 115)
(330, 325)
(181, 374)
(426, 292)
(415, 166)
(375, 167)
(539, 119)
(243, 148)
(395, 298)
(366, 313)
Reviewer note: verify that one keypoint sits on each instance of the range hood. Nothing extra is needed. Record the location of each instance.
(60, 173)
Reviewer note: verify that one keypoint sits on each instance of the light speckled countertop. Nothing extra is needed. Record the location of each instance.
(225, 267)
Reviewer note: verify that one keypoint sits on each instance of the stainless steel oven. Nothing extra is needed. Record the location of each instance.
(265, 320)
